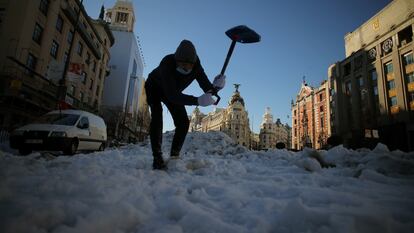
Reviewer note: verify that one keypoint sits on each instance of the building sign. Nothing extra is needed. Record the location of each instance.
(75, 71)
(55, 71)
(375, 24)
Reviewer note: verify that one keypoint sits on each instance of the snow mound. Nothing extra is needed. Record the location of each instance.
(216, 186)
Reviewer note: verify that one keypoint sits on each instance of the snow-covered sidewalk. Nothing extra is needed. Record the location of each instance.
(216, 187)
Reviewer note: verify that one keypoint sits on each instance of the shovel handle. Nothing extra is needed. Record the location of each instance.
(229, 53)
(226, 62)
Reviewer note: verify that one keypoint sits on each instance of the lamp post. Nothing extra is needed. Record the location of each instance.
(127, 100)
(61, 95)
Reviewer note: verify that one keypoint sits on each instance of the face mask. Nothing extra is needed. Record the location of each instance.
(183, 71)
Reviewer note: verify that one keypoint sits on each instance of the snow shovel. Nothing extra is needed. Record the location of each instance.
(241, 34)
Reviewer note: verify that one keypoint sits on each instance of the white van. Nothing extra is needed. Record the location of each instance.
(65, 130)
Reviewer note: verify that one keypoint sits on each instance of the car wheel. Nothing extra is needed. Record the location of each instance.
(72, 148)
(24, 151)
(102, 147)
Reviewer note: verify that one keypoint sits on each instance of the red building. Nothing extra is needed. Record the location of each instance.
(310, 117)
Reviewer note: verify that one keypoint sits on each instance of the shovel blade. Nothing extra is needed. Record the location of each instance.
(243, 34)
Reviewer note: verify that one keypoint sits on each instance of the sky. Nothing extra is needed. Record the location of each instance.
(299, 38)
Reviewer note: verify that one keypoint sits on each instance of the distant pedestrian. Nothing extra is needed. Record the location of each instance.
(165, 85)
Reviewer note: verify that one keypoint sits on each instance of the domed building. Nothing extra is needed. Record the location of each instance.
(272, 132)
(233, 120)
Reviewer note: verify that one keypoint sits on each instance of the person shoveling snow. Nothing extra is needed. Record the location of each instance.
(165, 84)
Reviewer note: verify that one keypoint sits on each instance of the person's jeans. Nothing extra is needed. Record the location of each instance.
(180, 118)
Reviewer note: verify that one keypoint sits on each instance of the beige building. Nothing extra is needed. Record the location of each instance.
(121, 16)
(35, 42)
(233, 120)
(272, 132)
(310, 117)
(372, 95)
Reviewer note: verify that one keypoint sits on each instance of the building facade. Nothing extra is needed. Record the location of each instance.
(233, 120)
(272, 132)
(38, 40)
(124, 101)
(372, 94)
(310, 117)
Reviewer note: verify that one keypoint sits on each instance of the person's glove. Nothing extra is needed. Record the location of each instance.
(219, 81)
(206, 100)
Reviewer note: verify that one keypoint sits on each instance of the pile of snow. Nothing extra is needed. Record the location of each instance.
(217, 186)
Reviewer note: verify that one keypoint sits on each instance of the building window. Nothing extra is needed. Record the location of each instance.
(94, 66)
(84, 25)
(411, 100)
(71, 90)
(320, 97)
(347, 69)
(388, 68)
(408, 59)
(358, 63)
(360, 81)
(121, 18)
(97, 90)
(59, 23)
(31, 62)
(373, 74)
(375, 90)
(91, 86)
(391, 84)
(44, 6)
(348, 87)
(81, 96)
(37, 33)
(54, 49)
(410, 77)
(70, 36)
(100, 73)
(80, 48)
(321, 109)
(65, 57)
(84, 77)
(88, 58)
(405, 36)
(393, 101)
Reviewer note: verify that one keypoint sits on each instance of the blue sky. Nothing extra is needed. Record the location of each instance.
(299, 38)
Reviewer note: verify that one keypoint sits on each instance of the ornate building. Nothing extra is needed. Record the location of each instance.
(310, 117)
(233, 120)
(272, 132)
(373, 87)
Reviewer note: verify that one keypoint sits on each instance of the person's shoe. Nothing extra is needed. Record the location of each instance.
(158, 164)
(174, 155)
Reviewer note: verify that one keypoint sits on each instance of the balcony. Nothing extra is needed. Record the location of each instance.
(392, 92)
(409, 68)
(410, 87)
(390, 76)
(395, 109)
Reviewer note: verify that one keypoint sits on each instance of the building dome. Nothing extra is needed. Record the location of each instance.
(236, 96)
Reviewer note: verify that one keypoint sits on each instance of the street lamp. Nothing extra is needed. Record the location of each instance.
(62, 82)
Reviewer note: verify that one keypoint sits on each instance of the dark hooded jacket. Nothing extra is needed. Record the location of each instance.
(169, 83)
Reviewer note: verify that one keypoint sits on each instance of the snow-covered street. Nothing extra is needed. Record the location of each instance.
(215, 187)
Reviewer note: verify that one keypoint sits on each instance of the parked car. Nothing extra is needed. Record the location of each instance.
(66, 130)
